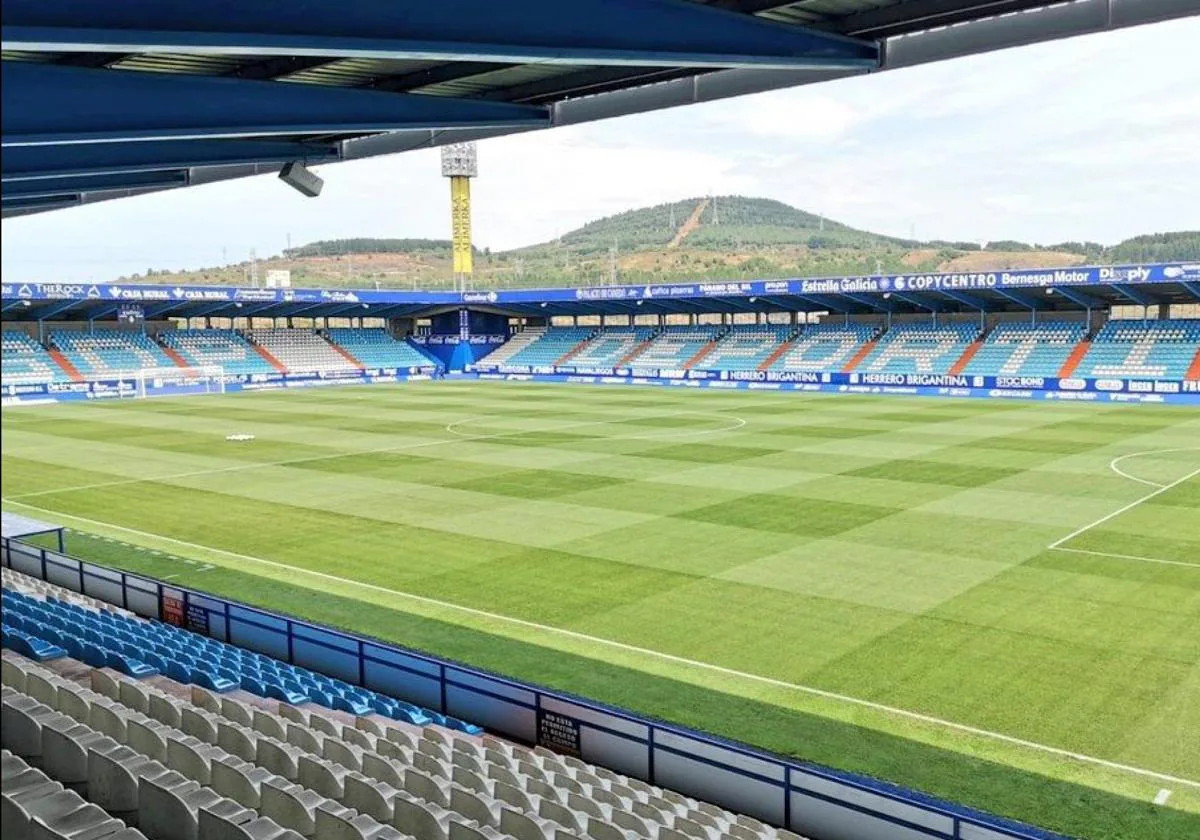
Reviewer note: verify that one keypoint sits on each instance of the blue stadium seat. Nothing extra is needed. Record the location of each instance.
(610, 346)
(541, 348)
(915, 348)
(25, 362)
(825, 348)
(375, 348)
(224, 348)
(109, 352)
(747, 347)
(1025, 349)
(673, 347)
(143, 648)
(1161, 349)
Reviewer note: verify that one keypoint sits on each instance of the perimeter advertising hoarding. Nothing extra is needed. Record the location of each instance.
(878, 284)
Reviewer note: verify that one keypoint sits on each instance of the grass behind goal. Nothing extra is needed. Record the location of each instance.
(862, 582)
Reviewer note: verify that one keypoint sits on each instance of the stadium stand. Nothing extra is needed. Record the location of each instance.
(549, 347)
(88, 751)
(1159, 349)
(301, 350)
(503, 354)
(375, 348)
(674, 347)
(25, 362)
(142, 648)
(613, 346)
(919, 348)
(1023, 349)
(827, 348)
(108, 352)
(746, 347)
(225, 348)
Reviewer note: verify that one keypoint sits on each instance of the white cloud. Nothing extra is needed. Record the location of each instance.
(1091, 138)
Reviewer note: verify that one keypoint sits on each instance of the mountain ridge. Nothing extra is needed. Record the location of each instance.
(726, 238)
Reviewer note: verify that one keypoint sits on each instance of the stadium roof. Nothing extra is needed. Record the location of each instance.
(107, 99)
(1021, 290)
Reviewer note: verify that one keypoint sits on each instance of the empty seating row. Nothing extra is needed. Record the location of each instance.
(301, 351)
(144, 648)
(35, 805)
(109, 352)
(1158, 349)
(547, 348)
(188, 764)
(133, 744)
(25, 362)
(376, 348)
(746, 347)
(919, 348)
(1026, 349)
(826, 348)
(503, 354)
(224, 348)
(27, 585)
(674, 347)
(612, 346)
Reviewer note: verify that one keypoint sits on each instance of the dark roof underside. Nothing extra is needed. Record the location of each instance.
(106, 100)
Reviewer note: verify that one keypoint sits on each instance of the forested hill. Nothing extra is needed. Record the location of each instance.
(708, 237)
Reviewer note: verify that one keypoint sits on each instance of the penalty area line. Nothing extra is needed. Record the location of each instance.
(649, 652)
(1123, 509)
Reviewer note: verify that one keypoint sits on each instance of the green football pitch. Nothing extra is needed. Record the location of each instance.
(993, 602)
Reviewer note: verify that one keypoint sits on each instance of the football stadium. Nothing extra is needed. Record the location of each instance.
(897, 555)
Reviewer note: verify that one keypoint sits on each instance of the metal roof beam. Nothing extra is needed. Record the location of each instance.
(876, 304)
(439, 74)
(35, 204)
(1192, 286)
(278, 66)
(1021, 298)
(152, 311)
(1136, 295)
(638, 32)
(27, 162)
(46, 104)
(1079, 298)
(51, 311)
(833, 304)
(102, 311)
(964, 298)
(42, 187)
(917, 15)
(917, 302)
(212, 309)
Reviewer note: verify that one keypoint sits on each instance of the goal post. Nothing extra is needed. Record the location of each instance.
(173, 381)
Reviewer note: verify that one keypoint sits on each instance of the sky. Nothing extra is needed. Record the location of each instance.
(1093, 138)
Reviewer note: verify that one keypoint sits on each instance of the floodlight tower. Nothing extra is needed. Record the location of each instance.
(460, 165)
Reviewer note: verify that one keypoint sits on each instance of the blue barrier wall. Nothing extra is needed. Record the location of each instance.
(815, 801)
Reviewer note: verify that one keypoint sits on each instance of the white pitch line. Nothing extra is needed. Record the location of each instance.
(311, 458)
(738, 423)
(1112, 465)
(1162, 797)
(1127, 556)
(1123, 509)
(649, 652)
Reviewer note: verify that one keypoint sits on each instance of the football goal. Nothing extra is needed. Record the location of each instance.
(175, 381)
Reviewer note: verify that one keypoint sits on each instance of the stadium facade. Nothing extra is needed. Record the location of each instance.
(1038, 333)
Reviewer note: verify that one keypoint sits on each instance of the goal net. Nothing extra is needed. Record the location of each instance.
(174, 381)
